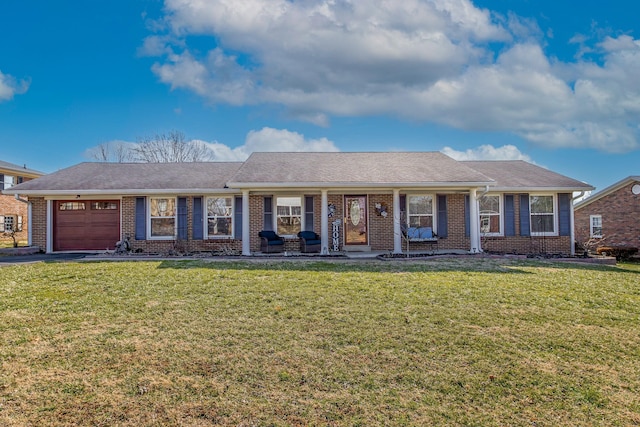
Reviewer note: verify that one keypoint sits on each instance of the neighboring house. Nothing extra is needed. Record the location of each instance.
(354, 201)
(611, 217)
(13, 212)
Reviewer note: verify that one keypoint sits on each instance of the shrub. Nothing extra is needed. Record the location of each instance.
(620, 252)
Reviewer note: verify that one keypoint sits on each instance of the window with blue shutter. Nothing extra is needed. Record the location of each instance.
(308, 213)
(564, 214)
(267, 223)
(443, 220)
(182, 218)
(141, 218)
(198, 224)
(509, 216)
(525, 219)
(237, 218)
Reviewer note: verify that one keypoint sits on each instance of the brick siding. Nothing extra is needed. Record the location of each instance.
(620, 212)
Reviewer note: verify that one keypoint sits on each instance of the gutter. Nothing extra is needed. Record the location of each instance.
(29, 216)
(573, 222)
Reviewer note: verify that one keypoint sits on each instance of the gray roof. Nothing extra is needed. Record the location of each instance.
(262, 170)
(19, 170)
(123, 178)
(513, 175)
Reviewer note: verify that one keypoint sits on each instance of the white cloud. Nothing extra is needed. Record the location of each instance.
(423, 60)
(265, 139)
(9, 87)
(488, 152)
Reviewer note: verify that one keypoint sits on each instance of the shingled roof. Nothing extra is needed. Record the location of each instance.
(406, 169)
(129, 178)
(516, 175)
(19, 170)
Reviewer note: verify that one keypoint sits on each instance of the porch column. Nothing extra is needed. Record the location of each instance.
(246, 224)
(474, 222)
(397, 226)
(324, 223)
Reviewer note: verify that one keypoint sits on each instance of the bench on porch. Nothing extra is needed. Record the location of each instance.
(421, 234)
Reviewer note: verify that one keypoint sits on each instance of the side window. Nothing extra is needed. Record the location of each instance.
(543, 215)
(219, 216)
(490, 215)
(162, 217)
(595, 226)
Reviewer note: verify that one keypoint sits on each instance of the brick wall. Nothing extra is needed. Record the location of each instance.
(10, 206)
(620, 212)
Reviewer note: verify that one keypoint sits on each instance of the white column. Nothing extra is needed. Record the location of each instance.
(29, 224)
(49, 238)
(397, 226)
(572, 232)
(474, 222)
(246, 224)
(324, 223)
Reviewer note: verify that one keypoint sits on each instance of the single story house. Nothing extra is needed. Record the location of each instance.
(13, 210)
(353, 201)
(611, 217)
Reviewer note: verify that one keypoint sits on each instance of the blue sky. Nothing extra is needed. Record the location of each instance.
(550, 82)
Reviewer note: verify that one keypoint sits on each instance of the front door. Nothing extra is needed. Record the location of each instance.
(355, 222)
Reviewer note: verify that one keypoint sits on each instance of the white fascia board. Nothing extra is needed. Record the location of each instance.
(539, 189)
(262, 186)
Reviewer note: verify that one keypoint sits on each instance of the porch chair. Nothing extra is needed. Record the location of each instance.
(270, 242)
(309, 241)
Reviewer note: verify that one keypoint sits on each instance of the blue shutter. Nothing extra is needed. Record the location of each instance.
(198, 224)
(267, 223)
(525, 218)
(404, 219)
(141, 218)
(1, 181)
(467, 217)
(443, 221)
(308, 213)
(509, 216)
(564, 213)
(237, 218)
(182, 218)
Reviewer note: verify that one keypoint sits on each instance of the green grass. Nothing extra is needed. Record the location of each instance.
(466, 343)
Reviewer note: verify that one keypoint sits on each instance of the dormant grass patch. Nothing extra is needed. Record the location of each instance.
(434, 342)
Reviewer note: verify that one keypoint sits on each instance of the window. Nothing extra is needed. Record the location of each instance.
(219, 216)
(420, 211)
(162, 213)
(71, 206)
(9, 223)
(543, 218)
(595, 225)
(288, 215)
(9, 181)
(490, 218)
(104, 205)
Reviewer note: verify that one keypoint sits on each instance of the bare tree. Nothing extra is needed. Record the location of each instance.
(114, 151)
(169, 148)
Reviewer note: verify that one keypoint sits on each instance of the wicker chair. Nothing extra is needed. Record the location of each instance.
(309, 241)
(270, 242)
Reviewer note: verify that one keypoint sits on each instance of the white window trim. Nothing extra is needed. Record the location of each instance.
(500, 214)
(274, 209)
(175, 219)
(434, 209)
(206, 217)
(591, 233)
(555, 216)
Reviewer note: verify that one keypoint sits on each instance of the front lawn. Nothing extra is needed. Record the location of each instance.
(475, 342)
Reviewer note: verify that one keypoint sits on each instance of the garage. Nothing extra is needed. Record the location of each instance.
(86, 224)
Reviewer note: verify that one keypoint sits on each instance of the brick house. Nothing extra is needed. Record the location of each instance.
(14, 212)
(353, 201)
(611, 215)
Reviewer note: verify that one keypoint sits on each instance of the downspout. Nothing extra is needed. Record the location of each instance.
(28, 203)
(572, 232)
